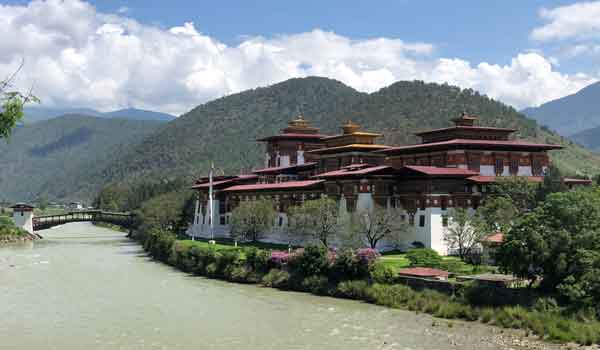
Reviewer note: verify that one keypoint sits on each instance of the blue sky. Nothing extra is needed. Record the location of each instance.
(521, 52)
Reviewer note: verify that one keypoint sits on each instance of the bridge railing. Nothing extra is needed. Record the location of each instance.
(47, 221)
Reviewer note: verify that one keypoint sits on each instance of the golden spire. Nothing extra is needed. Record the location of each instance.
(350, 127)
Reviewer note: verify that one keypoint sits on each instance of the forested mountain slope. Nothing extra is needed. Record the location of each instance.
(58, 158)
(224, 130)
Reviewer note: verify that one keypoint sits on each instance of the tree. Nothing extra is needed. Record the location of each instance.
(318, 218)
(552, 183)
(559, 244)
(497, 214)
(252, 219)
(12, 103)
(373, 225)
(519, 190)
(464, 232)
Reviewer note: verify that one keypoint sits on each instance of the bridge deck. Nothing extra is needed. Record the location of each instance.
(48, 221)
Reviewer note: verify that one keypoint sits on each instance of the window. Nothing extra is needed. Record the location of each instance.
(421, 220)
(536, 169)
(499, 168)
(444, 203)
(280, 221)
(445, 220)
(474, 162)
(402, 217)
(222, 220)
(422, 201)
(514, 166)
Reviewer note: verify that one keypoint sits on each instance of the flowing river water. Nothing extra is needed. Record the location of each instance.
(85, 287)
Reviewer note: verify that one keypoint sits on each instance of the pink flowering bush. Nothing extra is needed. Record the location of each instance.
(367, 255)
(279, 258)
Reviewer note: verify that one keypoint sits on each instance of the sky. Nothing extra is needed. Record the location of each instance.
(173, 55)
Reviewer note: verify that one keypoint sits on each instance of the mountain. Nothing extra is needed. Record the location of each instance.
(56, 159)
(589, 138)
(139, 114)
(224, 131)
(37, 114)
(570, 114)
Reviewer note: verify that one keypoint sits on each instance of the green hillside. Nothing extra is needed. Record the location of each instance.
(224, 130)
(58, 158)
(589, 139)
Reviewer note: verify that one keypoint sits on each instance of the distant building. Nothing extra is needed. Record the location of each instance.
(451, 167)
(75, 206)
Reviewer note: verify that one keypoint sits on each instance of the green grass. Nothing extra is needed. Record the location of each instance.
(228, 244)
(396, 261)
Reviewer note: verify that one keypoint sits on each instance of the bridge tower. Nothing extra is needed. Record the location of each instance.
(23, 216)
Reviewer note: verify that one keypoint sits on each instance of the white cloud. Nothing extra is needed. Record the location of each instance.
(75, 55)
(576, 21)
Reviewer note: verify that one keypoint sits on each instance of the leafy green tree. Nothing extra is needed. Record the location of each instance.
(553, 182)
(497, 214)
(250, 220)
(318, 219)
(12, 102)
(519, 190)
(558, 244)
(164, 212)
(464, 232)
(373, 225)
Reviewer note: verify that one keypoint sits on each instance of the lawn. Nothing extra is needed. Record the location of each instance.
(452, 264)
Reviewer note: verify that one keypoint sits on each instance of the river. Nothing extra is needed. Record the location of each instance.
(85, 287)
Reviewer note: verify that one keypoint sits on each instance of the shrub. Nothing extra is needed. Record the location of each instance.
(347, 265)
(546, 305)
(380, 273)
(356, 289)
(312, 261)
(316, 284)
(258, 259)
(424, 257)
(367, 256)
(241, 274)
(390, 295)
(212, 269)
(279, 258)
(276, 278)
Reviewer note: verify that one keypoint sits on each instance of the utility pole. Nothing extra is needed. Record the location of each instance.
(210, 200)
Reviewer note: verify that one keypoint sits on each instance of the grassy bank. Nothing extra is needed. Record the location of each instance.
(362, 275)
(10, 233)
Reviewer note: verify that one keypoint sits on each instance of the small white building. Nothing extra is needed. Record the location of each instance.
(23, 216)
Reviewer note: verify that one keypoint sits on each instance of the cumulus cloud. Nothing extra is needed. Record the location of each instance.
(576, 21)
(77, 56)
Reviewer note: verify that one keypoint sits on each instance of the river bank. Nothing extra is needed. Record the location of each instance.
(343, 276)
(21, 238)
(95, 289)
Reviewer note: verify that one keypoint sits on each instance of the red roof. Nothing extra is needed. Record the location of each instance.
(275, 186)
(440, 171)
(480, 128)
(345, 171)
(496, 238)
(467, 143)
(490, 179)
(423, 272)
(293, 136)
(205, 184)
(282, 168)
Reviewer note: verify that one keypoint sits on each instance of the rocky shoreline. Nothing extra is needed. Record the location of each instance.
(18, 239)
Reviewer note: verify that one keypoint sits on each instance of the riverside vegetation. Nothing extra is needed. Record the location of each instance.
(358, 274)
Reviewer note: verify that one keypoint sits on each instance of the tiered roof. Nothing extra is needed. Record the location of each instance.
(352, 139)
(297, 129)
(288, 185)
